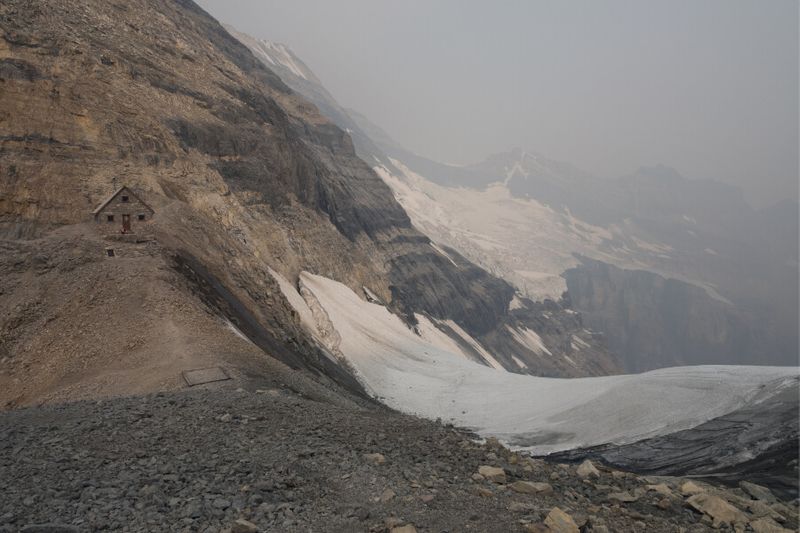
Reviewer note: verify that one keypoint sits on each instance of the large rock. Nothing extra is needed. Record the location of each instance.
(560, 522)
(758, 492)
(689, 488)
(718, 509)
(531, 487)
(767, 525)
(660, 488)
(374, 458)
(587, 470)
(243, 526)
(493, 473)
(622, 497)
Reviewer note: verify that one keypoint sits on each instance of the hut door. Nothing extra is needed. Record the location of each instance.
(126, 222)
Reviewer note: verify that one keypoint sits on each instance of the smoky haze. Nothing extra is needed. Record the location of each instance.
(710, 88)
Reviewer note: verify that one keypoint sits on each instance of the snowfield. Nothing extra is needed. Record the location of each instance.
(425, 374)
(525, 242)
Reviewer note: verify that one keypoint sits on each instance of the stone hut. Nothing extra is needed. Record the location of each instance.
(123, 211)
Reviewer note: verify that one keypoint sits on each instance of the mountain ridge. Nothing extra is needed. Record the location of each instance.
(700, 233)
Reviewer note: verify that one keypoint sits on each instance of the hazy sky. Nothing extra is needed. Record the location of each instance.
(709, 87)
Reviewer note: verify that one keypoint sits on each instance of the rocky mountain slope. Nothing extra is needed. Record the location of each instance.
(527, 218)
(247, 180)
(266, 459)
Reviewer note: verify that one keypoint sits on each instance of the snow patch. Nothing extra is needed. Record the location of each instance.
(515, 303)
(466, 337)
(237, 331)
(439, 249)
(529, 339)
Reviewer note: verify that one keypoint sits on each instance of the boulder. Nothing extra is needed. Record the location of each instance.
(767, 525)
(759, 509)
(757, 492)
(622, 497)
(587, 470)
(243, 526)
(664, 503)
(493, 473)
(521, 507)
(661, 488)
(484, 492)
(560, 522)
(387, 495)
(530, 487)
(717, 509)
(375, 458)
(689, 488)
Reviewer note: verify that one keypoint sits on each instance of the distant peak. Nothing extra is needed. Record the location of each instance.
(274, 54)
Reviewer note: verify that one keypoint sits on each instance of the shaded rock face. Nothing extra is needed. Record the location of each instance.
(654, 322)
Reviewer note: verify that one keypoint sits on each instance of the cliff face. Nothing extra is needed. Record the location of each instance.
(244, 176)
(652, 321)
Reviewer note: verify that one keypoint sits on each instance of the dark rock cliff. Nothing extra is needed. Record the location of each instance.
(654, 322)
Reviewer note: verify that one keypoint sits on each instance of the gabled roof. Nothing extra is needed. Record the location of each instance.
(114, 195)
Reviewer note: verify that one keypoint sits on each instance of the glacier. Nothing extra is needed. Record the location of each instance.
(421, 371)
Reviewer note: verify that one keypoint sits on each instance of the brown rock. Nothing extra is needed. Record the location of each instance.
(243, 526)
(560, 522)
(484, 492)
(689, 488)
(664, 503)
(587, 470)
(622, 497)
(718, 509)
(375, 458)
(392, 522)
(387, 495)
(521, 507)
(767, 525)
(493, 473)
(408, 528)
(530, 487)
(661, 488)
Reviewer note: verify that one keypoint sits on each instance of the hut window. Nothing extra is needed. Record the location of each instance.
(110, 252)
(110, 218)
(141, 217)
(124, 198)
